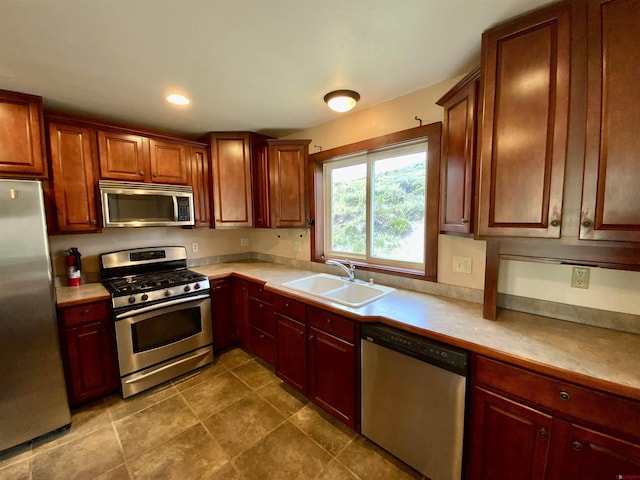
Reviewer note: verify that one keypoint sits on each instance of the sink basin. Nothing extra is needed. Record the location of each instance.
(335, 289)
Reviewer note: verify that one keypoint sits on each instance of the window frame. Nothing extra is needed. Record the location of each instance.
(431, 133)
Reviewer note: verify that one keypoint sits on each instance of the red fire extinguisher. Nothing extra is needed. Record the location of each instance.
(74, 265)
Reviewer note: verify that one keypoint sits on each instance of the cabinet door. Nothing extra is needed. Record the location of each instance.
(523, 131)
(288, 183)
(90, 361)
(590, 455)
(200, 182)
(21, 135)
(458, 157)
(224, 326)
(231, 165)
(291, 360)
(260, 166)
(123, 157)
(241, 310)
(72, 160)
(168, 162)
(611, 196)
(508, 440)
(332, 375)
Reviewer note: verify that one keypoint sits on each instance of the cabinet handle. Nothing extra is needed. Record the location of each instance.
(543, 433)
(141, 173)
(464, 221)
(587, 223)
(328, 321)
(577, 446)
(555, 223)
(565, 396)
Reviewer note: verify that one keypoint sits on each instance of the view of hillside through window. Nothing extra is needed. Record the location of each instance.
(394, 229)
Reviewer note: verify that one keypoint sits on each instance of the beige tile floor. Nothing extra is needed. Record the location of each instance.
(234, 420)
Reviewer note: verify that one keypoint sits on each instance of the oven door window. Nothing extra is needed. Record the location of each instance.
(166, 328)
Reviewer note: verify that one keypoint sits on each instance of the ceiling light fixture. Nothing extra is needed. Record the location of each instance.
(178, 99)
(342, 100)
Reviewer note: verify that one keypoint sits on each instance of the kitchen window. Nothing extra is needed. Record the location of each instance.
(376, 202)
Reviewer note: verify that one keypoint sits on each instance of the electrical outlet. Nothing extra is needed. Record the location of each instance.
(462, 264)
(194, 247)
(244, 242)
(297, 246)
(580, 277)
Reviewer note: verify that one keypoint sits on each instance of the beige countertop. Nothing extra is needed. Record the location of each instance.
(591, 356)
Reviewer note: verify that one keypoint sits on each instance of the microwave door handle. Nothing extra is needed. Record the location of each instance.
(175, 207)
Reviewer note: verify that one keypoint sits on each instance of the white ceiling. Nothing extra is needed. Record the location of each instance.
(258, 65)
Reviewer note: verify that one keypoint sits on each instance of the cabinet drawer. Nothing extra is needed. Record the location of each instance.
(334, 324)
(263, 345)
(261, 316)
(290, 308)
(615, 414)
(257, 290)
(84, 313)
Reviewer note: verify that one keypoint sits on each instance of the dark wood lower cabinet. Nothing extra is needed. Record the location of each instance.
(240, 299)
(89, 352)
(291, 362)
(224, 327)
(549, 430)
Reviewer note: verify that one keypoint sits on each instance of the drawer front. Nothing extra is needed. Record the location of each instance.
(261, 316)
(290, 308)
(81, 314)
(334, 324)
(256, 290)
(263, 345)
(591, 407)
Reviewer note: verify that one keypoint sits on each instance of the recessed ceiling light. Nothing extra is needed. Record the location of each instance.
(178, 99)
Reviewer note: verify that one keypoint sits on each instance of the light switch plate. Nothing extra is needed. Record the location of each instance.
(244, 242)
(194, 247)
(462, 264)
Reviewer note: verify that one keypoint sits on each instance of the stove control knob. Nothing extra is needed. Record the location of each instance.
(168, 293)
(187, 288)
(196, 286)
(144, 297)
(132, 299)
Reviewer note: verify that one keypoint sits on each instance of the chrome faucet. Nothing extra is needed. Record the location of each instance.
(350, 271)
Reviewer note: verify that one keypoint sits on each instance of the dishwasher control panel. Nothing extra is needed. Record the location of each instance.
(431, 351)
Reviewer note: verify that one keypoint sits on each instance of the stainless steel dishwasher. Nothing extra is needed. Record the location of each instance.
(413, 399)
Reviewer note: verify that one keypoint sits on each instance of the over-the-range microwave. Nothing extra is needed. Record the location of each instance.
(128, 204)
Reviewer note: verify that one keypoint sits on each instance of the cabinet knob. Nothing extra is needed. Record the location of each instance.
(565, 396)
(155, 174)
(262, 335)
(555, 223)
(576, 446)
(464, 221)
(261, 305)
(301, 332)
(543, 433)
(94, 222)
(587, 223)
(328, 321)
(286, 305)
(311, 337)
(86, 311)
(141, 173)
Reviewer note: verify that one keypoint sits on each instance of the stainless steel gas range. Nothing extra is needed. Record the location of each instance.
(162, 314)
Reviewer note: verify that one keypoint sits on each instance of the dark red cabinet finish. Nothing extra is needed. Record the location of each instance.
(224, 326)
(262, 326)
(291, 361)
(240, 296)
(88, 352)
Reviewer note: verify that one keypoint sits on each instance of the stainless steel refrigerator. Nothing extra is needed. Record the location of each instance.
(33, 398)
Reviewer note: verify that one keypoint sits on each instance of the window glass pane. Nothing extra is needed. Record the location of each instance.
(348, 211)
(398, 206)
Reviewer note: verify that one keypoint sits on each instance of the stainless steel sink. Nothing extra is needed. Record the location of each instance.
(336, 289)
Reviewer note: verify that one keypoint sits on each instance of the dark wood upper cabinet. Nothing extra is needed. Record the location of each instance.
(611, 194)
(231, 169)
(168, 162)
(457, 162)
(137, 158)
(21, 135)
(524, 121)
(288, 182)
(123, 157)
(73, 155)
(200, 182)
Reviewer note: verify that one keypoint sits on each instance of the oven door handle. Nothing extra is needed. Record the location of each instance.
(158, 306)
(165, 367)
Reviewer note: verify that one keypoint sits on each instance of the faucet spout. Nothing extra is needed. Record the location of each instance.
(350, 271)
